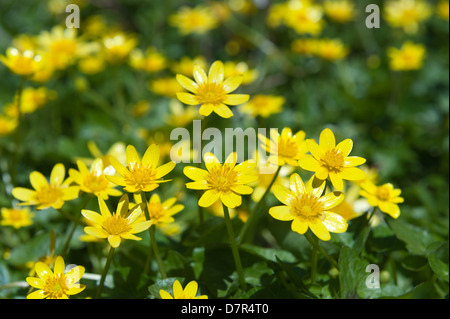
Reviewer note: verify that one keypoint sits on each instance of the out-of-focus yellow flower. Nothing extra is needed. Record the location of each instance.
(304, 16)
(56, 284)
(93, 181)
(140, 108)
(242, 6)
(95, 26)
(443, 9)
(331, 49)
(225, 182)
(341, 11)
(117, 150)
(31, 100)
(407, 14)
(25, 42)
(24, 63)
(409, 57)
(200, 20)
(189, 292)
(185, 65)
(165, 86)
(161, 212)
(181, 116)
(62, 47)
(211, 91)
(117, 46)
(220, 9)
(7, 125)
(385, 197)
(122, 224)
(240, 68)
(152, 61)
(305, 46)
(330, 160)
(46, 194)
(305, 206)
(91, 64)
(263, 105)
(16, 217)
(140, 175)
(285, 147)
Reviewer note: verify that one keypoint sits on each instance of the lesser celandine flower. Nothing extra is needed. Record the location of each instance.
(263, 105)
(189, 292)
(194, 20)
(330, 160)
(24, 63)
(46, 194)
(152, 61)
(409, 57)
(161, 213)
(443, 9)
(285, 147)
(341, 11)
(56, 284)
(331, 49)
(385, 197)
(305, 206)
(304, 16)
(211, 91)
(221, 182)
(93, 180)
(407, 14)
(140, 175)
(117, 46)
(122, 224)
(16, 217)
(7, 125)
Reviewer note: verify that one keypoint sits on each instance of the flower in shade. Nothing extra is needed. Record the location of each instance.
(222, 182)
(285, 147)
(305, 206)
(386, 197)
(93, 180)
(409, 57)
(198, 20)
(122, 224)
(161, 212)
(330, 160)
(189, 292)
(140, 175)
(46, 194)
(56, 284)
(16, 217)
(211, 91)
(23, 63)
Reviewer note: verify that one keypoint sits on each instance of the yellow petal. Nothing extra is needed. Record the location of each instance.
(190, 290)
(93, 216)
(114, 240)
(39, 294)
(74, 275)
(320, 231)
(236, 99)
(353, 161)
(96, 232)
(331, 200)
(187, 98)
(70, 193)
(223, 111)
(123, 205)
(177, 290)
(345, 147)
(24, 194)
(216, 72)
(165, 294)
(187, 83)
(132, 155)
(352, 174)
(210, 161)
(327, 141)
(199, 74)
(309, 163)
(38, 180)
(206, 109)
(296, 184)
(57, 174)
(164, 169)
(242, 189)
(208, 198)
(35, 282)
(281, 213)
(334, 223)
(199, 185)
(194, 173)
(117, 166)
(299, 227)
(232, 83)
(389, 208)
(322, 173)
(151, 155)
(104, 208)
(230, 199)
(42, 270)
(336, 180)
(58, 268)
(283, 194)
(314, 149)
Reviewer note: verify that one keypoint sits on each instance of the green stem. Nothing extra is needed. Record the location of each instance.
(234, 248)
(371, 215)
(249, 225)
(314, 261)
(105, 271)
(321, 250)
(17, 137)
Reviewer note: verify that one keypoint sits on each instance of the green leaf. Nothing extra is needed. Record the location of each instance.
(35, 248)
(163, 284)
(414, 262)
(417, 239)
(438, 260)
(270, 254)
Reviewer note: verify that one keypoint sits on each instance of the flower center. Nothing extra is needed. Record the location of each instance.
(307, 208)
(333, 160)
(141, 175)
(95, 183)
(49, 194)
(156, 211)
(222, 178)
(287, 147)
(116, 225)
(210, 93)
(383, 193)
(55, 287)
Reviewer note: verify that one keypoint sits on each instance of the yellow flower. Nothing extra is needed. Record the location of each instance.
(304, 16)
(409, 57)
(62, 47)
(305, 46)
(384, 196)
(407, 14)
(331, 49)
(161, 213)
(117, 46)
(140, 175)
(225, 182)
(7, 125)
(285, 147)
(198, 20)
(117, 150)
(93, 181)
(211, 91)
(24, 63)
(56, 284)
(341, 11)
(181, 116)
(263, 105)
(122, 224)
(307, 208)
(185, 65)
(189, 292)
(45, 194)
(31, 100)
(443, 9)
(92, 64)
(330, 160)
(240, 68)
(152, 61)
(16, 218)
(166, 86)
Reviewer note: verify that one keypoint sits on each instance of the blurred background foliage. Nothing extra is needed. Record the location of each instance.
(397, 119)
